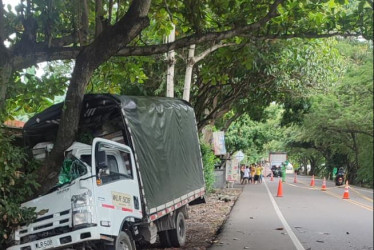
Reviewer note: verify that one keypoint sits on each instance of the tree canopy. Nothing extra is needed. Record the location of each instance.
(326, 128)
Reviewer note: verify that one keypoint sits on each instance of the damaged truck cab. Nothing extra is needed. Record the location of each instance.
(132, 183)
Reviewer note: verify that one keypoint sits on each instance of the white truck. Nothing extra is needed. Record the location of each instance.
(132, 183)
(277, 158)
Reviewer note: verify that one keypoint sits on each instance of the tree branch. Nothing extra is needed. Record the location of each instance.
(210, 50)
(40, 51)
(25, 60)
(215, 36)
(231, 120)
(305, 35)
(201, 38)
(341, 130)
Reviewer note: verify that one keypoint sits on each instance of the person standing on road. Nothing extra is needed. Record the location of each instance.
(261, 174)
(246, 175)
(258, 173)
(283, 169)
(242, 168)
(253, 172)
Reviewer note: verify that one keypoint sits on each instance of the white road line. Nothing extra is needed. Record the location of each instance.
(293, 237)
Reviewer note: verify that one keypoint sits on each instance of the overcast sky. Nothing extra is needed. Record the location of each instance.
(11, 2)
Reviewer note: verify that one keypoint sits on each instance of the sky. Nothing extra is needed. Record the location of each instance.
(11, 2)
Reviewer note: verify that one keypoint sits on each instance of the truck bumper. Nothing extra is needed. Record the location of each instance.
(62, 240)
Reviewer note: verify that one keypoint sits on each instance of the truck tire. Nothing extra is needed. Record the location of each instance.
(178, 235)
(124, 242)
(164, 239)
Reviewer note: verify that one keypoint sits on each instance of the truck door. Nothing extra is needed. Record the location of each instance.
(117, 189)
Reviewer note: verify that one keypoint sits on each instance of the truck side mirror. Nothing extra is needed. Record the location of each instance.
(101, 160)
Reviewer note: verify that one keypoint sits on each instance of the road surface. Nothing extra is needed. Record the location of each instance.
(304, 218)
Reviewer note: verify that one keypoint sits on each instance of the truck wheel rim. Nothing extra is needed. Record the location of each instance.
(124, 245)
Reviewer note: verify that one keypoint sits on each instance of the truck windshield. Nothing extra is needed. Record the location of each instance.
(72, 168)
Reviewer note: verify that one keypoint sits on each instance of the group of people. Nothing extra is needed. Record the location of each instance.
(251, 174)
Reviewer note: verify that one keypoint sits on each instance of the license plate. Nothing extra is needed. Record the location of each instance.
(44, 244)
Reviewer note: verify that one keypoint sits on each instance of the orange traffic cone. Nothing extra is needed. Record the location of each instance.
(271, 178)
(346, 191)
(324, 184)
(294, 179)
(280, 189)
(312, 184)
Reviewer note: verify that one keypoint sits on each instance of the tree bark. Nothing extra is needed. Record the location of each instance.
(5, 74)
(171, 65)
(188, 74)
(98, 19)
(84, 21)
(5, 62)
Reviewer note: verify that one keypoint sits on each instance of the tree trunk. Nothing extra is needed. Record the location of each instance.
(98, 19)
(188, 74)
(352, 173)
(312, 165)
(304, 162)
(5, 62)
(171, 66)
(68, 126)
(5, 73)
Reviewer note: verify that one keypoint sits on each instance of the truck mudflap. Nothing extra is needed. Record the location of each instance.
(62, 240)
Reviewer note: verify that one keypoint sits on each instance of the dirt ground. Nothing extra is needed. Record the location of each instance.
(206, 220)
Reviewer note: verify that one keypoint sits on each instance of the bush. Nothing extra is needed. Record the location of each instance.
(16, 185)
(208, 163)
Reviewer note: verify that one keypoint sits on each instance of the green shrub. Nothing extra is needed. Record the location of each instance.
(208, 162)
(16, 184)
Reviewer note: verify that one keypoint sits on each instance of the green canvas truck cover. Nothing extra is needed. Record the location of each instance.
(163, 135)
(166, 145)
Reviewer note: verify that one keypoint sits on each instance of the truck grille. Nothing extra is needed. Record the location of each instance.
(47, 226)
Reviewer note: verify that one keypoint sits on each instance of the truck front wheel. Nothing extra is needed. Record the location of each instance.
(178, 235)
(124, 242)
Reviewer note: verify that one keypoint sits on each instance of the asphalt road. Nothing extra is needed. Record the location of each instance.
(304, 218)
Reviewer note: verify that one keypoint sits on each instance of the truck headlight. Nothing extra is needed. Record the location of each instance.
(82, 209)
(82, 217)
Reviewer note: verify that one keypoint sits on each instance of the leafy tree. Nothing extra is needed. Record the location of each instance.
(340, 121)
(208, 162)
(22, 100)
(257, 138)
(16, 184)
(329, 126)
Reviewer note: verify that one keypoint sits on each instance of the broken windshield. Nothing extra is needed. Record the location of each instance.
(72, 168)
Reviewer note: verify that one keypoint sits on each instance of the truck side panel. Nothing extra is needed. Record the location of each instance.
(166, 148)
